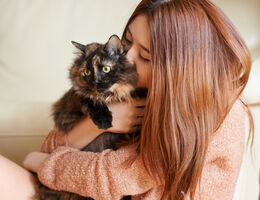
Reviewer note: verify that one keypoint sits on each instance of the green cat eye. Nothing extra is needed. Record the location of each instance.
(106, 69)
(87, 72)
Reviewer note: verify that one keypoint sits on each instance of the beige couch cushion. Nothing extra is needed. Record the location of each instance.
(245, 15)
(252, 90)
(25, 118)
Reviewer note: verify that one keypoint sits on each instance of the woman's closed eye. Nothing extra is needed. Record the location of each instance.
(127, 46)
(144, 59)
(128, 41)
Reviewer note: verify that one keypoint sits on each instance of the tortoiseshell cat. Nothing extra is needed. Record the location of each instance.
(99, 75)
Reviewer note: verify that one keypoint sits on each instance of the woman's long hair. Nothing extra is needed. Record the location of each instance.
(200, 66)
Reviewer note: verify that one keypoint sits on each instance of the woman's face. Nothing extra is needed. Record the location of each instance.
(137, 45)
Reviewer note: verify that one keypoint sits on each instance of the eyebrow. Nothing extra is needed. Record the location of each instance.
(143, 47)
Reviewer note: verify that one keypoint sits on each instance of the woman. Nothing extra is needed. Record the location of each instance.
(195, 66)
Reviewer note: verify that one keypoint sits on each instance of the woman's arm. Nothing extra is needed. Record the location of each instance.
(126, 118)
(103, 175)
(78, 137)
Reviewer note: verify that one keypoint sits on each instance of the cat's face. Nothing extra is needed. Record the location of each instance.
(102, 70)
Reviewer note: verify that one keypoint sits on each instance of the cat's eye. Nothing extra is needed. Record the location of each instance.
(86, 72)
(106, 69)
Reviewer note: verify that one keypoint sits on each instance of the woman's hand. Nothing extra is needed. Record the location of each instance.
(127, 117)
(34, 160)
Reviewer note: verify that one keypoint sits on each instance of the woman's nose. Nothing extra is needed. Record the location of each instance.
(130, 55)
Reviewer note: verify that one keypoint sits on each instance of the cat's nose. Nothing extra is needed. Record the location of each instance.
(98, 78)
(98, 81)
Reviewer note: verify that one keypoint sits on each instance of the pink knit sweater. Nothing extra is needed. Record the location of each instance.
(104, 176)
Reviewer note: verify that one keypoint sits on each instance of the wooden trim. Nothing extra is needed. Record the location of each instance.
(254, 104)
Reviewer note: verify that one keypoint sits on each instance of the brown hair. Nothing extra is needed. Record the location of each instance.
(200, 66)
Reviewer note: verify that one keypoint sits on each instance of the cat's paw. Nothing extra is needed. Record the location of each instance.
(103, 120)
(102, 123)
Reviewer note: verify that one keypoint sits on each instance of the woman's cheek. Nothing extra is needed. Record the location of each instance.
(143, 71)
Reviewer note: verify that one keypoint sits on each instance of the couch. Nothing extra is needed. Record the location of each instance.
(36, 52)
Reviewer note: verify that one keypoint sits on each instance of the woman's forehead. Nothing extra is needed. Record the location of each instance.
(139, 30)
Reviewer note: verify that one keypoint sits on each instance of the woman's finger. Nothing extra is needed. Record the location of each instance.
(136, 128)
(141, 102)
(139, 112)
(138, 121)
(34, 160)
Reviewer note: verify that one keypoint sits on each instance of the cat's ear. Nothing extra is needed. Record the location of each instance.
(114, 46)
(79, 46)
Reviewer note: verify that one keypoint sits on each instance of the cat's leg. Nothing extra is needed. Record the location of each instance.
(67, 111)
(49, 194)
(66, 121)
(99, 113)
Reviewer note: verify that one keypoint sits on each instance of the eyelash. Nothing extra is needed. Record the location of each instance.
(128, 41)
(142, 58)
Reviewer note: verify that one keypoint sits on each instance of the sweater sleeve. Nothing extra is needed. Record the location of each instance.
(103, 175)
(53, 140)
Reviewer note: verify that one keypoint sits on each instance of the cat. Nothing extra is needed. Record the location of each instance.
(100, 75)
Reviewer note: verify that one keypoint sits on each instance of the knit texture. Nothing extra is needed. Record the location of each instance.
(106, 176)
